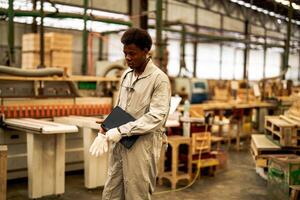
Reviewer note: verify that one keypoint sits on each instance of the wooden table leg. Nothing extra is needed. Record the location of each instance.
(174, 165)
(238, 136)
(46, 164)
(95, 168)
(3, 172)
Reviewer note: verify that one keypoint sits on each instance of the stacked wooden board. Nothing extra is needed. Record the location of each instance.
(262, 148)
(57, 51)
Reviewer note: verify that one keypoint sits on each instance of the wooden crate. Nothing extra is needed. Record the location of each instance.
(3, 171)
(60, 41)
(62, 59)
(282, 132)
(282, 172)
(31, 42)
(31, 60)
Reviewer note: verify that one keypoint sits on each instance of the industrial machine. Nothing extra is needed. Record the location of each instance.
(44, 94)
(193, 89)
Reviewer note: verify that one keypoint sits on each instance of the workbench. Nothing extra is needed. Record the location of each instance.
(95, 168)
(45, 154)
(238, 107)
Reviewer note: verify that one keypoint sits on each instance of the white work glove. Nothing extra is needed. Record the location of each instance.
(113, 135)
(99, 146)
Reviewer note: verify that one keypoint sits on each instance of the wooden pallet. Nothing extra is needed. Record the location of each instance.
(261, 148)
(282, 131)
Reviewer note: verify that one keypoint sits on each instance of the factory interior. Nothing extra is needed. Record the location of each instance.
(233, 126)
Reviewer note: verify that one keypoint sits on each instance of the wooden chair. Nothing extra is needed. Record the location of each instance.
(201, 143)
(295, 192)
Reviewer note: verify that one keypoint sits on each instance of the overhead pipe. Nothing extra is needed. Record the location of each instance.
(60, 15)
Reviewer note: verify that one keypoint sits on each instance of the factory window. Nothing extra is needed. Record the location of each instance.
(293, 72)
(273, 63)
(174, 57)
(256, 63)
(115, 47)
(232, 63)
(208, 61)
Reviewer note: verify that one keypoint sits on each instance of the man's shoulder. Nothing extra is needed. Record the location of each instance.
(162, 75)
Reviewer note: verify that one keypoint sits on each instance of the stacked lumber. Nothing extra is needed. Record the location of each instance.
(31, 51)
(57, 48)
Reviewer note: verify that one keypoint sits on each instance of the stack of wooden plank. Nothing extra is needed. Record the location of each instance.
(262, 149)
(31, 51)
(57, 48)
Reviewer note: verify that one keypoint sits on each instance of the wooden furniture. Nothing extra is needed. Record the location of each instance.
(201, 143)
(295, 192)
(95, 168)
(174, 175)
(45, 155)
(221, 107)
(3, 171)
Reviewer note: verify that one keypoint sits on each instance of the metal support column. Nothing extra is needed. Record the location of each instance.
(159, 28)
(42, 41)
(288, 38)
(299, 65)
(182, 50)
(137, 11)
(221, 46)
(100, 54)
(84, 39)
(195, 42)
(34, 28)
(246, 50)
(264, 64)
(11, 33)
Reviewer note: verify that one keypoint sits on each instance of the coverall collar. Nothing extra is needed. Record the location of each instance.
(148, 70)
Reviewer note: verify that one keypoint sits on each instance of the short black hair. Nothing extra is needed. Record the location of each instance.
(137, 36)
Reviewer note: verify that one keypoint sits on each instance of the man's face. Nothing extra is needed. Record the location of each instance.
(134, 56)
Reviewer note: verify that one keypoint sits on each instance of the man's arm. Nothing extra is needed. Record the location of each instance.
(158, 111)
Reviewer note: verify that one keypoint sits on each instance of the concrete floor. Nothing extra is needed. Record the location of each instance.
(238, 181)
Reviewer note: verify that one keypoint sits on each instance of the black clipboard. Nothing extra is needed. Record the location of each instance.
(116, 118)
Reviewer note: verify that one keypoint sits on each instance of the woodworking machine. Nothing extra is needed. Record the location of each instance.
(44, 94)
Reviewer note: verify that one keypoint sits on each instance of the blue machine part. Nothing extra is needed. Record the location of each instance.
(200, 92)
(199, 98)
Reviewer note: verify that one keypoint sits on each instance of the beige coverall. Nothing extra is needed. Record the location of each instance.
(132, 172)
